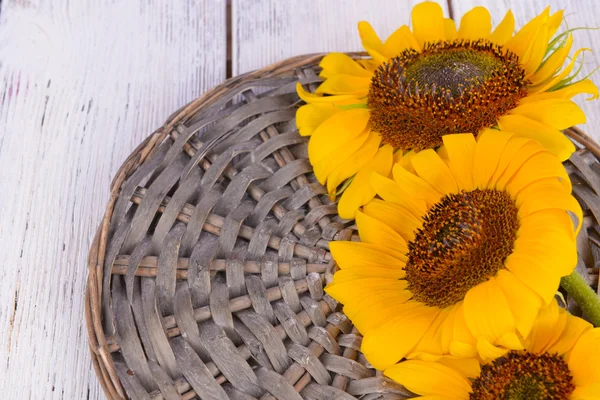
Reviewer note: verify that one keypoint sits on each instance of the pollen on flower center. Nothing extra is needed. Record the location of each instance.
(465, 239)
(452, 71)
(449, 87)
(524, 375)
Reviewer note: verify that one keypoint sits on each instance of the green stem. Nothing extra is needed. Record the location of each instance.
(583, 295)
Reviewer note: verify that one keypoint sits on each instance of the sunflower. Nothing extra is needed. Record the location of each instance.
(437, 80)
(461, 250)
(559, 361)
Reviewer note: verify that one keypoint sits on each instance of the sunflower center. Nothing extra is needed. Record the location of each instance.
(449, 87)
(524, 375)
(451, 71)
(465, 239)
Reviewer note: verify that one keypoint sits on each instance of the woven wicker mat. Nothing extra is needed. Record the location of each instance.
(207, 272)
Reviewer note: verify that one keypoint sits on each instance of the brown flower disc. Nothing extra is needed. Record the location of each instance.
(464, 241)
(524, 375)
(450, 87)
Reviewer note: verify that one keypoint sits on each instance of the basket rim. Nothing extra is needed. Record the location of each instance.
(97, 342)
(99, 346)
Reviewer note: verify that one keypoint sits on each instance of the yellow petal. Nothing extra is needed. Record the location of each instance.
(310, 116)
(450, 29)
(547, 329)
(556, 249)
(371, 42)
(540, 221)
(430, 167)
(346, 292)
(487, 312)
(555, 21)
(397, 217)
(368, 64)
(358, 272)
(469, 367)
(449, 326)
(369, 318)
(539, 167)
(489, 148)
(475, 24)
(374, 288)
(360, 191)
(558, 113)
(504, 30)
(352, 164)
(533, 190)
(517, 151)
(374, 231)
(325, 161)
(461, 152)
(518, 294)
(574, 328)
(309, 97)
(381, 289)
(532, 273)
(335, 132)
(487, 351)
(549, 83)
(430, 378)
(345, 84)
(401, 40)
(461, 332)
(567, 92)
(403, 160)
(463, 350)
(454, 337)
(340, 63)
(555, 246)
(416, 186)
(553, 63)
(387, 344)
(377, 56)
(537, 49)
(587, 392)
(443, 153)
(521, 41)
(390, 191)
(432, 340)
(552, 139)
(584, 86)
(352, 253)
(584, 358)
(552, 200)
(428, 22)
(510, 340)
(368, 35)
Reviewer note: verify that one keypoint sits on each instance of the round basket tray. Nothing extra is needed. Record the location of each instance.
(206, 274)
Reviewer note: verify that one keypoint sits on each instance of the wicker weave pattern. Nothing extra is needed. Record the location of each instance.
(207, 273)
(584, 170)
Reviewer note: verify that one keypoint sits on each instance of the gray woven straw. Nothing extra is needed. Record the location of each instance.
(207, 271)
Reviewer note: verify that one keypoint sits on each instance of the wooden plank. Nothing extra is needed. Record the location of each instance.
(578, 13)
(266, 31)
(82, 83)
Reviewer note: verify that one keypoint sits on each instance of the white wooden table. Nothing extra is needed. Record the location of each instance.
(83, 82)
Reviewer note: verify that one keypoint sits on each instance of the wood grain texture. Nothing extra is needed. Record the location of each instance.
(266, 31)
(578, 13)
(82, 83)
